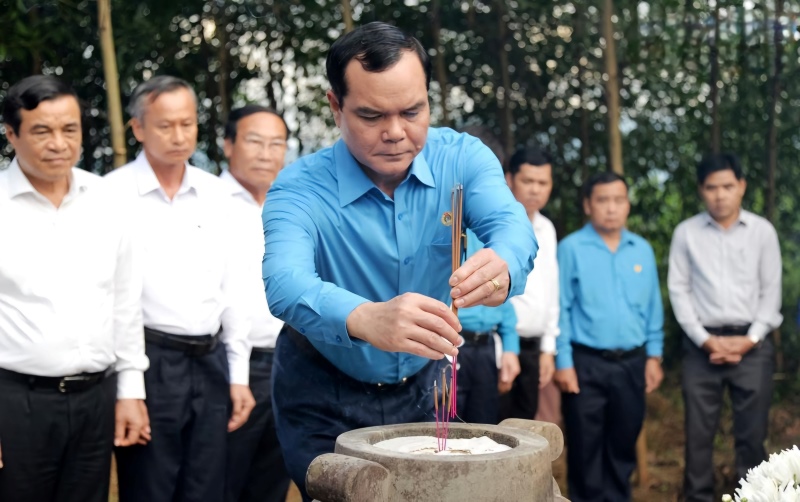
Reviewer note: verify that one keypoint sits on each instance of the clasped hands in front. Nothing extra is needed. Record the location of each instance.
(727, 349)
(417, 324)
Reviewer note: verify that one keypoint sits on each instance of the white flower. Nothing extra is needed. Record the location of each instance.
(774, 480)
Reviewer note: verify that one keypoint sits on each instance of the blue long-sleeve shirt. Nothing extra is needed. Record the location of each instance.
(608, 300)
(483, 318)
(334, 241)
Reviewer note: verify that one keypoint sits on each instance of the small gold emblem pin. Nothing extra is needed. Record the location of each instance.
(637, 268)
(447, 218)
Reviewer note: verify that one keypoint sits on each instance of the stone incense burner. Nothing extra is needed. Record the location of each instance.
(361, 472)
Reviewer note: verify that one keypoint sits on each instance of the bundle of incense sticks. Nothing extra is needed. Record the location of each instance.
(448, 398)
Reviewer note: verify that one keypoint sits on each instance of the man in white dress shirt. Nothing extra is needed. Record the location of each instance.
(71, 341)
(255, 145)
(530, 177)
(196, 325)
(725, 288)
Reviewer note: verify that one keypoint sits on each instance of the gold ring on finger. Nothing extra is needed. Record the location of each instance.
(496, 285)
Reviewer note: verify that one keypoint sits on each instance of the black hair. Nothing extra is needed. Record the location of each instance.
(602, 178)
(377, 46)
(488, 138)
(714, 162)
(151, 89)
(532, 155)
(28, 93)
(239, 113)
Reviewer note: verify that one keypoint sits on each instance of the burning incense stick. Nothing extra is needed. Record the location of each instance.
(449, 393)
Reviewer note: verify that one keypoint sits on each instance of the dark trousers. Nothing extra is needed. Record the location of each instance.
(750, 387)
(314, 402)
(522, 400)
(602, 423)
(477, 382)
(188, 399)
(56, 447)
(256, 472)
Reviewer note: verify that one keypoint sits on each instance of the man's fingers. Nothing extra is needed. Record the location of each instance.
(428, 344)
(132, 437)
(446, 336)
(472, 281)
(469, 267)
(119, 431)
(1, 456)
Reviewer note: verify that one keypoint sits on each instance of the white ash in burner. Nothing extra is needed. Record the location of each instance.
(427, 445)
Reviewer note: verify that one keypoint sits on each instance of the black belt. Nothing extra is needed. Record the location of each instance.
(476, 337)
(304, 346)
(194, 346)
(728, 330)
(65, 385)
(609, 354)
(532, 343)
(261, 353)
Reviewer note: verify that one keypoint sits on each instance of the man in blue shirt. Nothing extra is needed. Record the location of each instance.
(358, 255)
(609, 350)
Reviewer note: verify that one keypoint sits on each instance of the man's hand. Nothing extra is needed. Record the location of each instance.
(509, 369)
(243, 403)
(653, 374)
(131, 423)
(547, 367)
(411, 323)
(472, 282)
(567, 381)
(727, 350)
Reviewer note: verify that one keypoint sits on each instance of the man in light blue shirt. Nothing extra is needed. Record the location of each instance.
(609, 350)
(358, 255)
(479, 383)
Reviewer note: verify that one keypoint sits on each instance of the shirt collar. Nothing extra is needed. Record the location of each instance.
(147, 181)
(235, 188)
(353, 182)
(590, 236)
(19, 184)
(743, 219)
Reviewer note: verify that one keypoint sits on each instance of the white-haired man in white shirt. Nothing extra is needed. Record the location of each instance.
(530, 176)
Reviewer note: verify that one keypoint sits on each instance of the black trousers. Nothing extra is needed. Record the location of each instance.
(750, 386)
(256, 472)
(314, 402)
(56, 447)
(602, 424)
(522, 400)
(477, 382)
(188, 399)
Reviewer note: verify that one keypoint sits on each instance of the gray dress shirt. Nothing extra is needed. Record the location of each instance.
(725, 277)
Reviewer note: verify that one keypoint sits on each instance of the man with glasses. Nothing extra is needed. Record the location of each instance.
(255, 145)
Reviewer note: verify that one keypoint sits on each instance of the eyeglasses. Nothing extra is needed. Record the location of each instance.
(253, 143)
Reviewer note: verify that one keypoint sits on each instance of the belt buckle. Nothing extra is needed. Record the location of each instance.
(63, 384)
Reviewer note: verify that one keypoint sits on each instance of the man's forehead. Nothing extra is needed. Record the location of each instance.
(261, 123)
(62, 110)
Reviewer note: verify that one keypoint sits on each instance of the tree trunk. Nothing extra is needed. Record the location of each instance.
(223, 71)
(772, 131)
(441, 69)
(583, 119)
(612, 90)
(506, 122)
(715, 125)
(111, 76)
(347, 15)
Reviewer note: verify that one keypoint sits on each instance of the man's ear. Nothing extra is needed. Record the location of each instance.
(336, 107)
(586, 208)
(227, 148)
(509, 179)
(137, 128)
